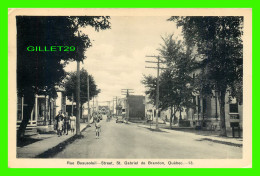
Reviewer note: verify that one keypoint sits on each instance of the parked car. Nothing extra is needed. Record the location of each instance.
(120, 119)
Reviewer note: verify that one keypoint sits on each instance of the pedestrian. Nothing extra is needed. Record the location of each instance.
(98, 128)
(66, 124)
(72, 123)
(59, 123)
(94, 117)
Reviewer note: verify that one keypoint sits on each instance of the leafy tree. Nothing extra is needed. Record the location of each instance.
(180, 62)
(39, 72)
(70, 86)
(175, 82)
(167, 95)
(219, 43)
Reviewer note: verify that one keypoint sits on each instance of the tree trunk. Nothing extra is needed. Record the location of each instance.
(171, 117)
(174, 116)
(29, 100)
(81, 110)
(223, 131)
(180, 114)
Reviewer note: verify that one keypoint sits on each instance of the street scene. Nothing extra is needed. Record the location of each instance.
(130, 87)
(139, 141)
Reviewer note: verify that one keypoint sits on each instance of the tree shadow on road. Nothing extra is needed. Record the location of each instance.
(60, 147)
(220, 142)
(154, 130)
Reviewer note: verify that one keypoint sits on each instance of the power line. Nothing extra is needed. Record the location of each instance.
(157, 84)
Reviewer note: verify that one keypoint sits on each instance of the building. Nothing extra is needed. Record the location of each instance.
(207, 112)
(136, 104)
(43, 112)
(103, 109)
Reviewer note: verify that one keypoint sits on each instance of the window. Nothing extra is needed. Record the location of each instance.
(233, 108)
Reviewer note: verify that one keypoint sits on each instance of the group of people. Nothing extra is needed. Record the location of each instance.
(65, 123)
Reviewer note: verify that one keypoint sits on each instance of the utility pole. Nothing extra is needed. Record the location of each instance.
(108, 106)
(72, 105)
(157, 84)
(88, 102)
(78, 97)
(78, 100)
(127, 92)
(97, 105)
(93, 104)
(116, 106)
(115, 99)
(113, 106)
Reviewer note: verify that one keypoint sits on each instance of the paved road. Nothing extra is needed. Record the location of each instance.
(119, 140)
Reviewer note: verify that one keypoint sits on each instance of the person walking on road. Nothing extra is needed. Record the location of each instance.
(98, 128)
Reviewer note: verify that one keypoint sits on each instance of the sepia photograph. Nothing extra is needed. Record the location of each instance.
(130, 87)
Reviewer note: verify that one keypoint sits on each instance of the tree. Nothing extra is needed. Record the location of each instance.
(181, 62)
(39, 72)
(175, 82)
(219, 43)
(70, 86)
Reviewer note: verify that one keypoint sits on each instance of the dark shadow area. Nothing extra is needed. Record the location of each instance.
(155, 130)
(205, 132)
(220, 142)
(49, 132)
(60, 147)
(27, 141)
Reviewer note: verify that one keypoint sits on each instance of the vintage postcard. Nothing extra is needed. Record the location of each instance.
(130, 88)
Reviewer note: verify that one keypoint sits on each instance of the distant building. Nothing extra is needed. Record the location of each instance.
(136, 107)
(103, 109)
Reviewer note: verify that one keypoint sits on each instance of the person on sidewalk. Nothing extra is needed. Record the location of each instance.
(98, 128)
(59, 123)
(72, 123)
(66, 124)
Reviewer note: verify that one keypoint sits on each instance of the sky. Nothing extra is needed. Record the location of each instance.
(117, 56)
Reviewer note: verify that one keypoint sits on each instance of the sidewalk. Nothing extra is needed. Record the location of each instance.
(48, 142)
(198, 134)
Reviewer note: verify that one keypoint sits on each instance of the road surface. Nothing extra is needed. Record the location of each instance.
(120, 140)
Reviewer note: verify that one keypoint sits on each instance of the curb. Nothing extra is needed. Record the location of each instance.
(221, 142)
(202, 139)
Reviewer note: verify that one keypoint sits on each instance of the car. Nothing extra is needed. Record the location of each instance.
(120, 119)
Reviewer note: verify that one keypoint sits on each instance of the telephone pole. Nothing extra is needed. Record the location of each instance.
(72, 104)
(157, 84)
(93, 104)
(115, 99)
(78, 100)
(97, 105)
(113, 106)
(88, 101)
